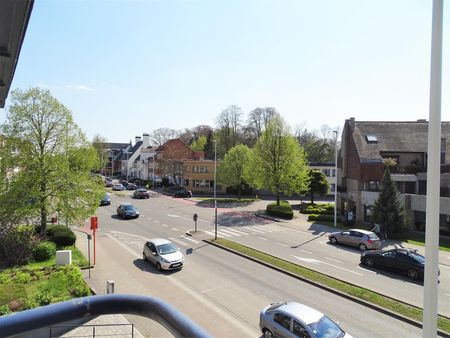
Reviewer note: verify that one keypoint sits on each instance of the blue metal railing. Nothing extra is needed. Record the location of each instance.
(168, 316)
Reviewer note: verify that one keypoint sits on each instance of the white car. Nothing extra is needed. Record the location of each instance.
(163, 253)
(292, 319)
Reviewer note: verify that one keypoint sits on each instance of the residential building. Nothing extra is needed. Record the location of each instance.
(199, 176)
(329, 170)
(366, 147)
(112, 151)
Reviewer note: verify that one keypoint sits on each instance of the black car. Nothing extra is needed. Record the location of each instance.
(106, 200)
(141, 193)
(131, 186)
(182, 193)
(127, 210)
(404, 261)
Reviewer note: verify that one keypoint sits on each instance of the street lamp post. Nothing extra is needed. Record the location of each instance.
(153, 174)
(215, 197)
(335, 176)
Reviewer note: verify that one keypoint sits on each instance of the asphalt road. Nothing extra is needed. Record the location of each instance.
(221, 291)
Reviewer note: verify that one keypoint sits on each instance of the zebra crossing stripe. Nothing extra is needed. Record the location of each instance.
(230, 232)
(255, 230)
(190, 239)
(263, 229)
(177, 241)
(238, 232)
(218, 234)
(272, 227)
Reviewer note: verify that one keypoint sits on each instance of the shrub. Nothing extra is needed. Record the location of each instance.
(323, 218)
(4, 310)
(23, 277)
(284, 210)
(61, 235)
(29, 304)
(43, 298)
(44, 251)
(17, 245)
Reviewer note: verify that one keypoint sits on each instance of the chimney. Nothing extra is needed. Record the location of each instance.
(351, 122)
(145, 140)
(137, 139)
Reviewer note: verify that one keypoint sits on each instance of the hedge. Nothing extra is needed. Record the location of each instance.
(284, 210)
(61, 235)
(323, 218)
(44, 251)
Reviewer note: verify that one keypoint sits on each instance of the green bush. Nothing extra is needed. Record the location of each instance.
(17, 245)
(284, 210)
(44, 298)
(323, 218)
(61, 235)
(22, 277)
(44, 251)
(4, 310)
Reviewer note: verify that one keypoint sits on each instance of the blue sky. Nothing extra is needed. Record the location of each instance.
(128, 67)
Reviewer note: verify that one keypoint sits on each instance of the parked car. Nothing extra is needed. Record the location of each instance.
(163, 253)
(292, 319)
(118, 187)
(362, 239)
(127, 210)
(405, 261)
(109, 184)
(124, 183)
(131, 186)
(141, 193)
(183, 193)
(106, 200)
(108, 179)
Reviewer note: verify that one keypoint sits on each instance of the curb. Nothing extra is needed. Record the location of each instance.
(334, 291)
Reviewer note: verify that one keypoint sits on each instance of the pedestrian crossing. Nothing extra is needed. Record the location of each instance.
(245, 231)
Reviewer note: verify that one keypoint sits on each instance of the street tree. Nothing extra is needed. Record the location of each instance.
(257, 122)
(199, 144)
(100, 144)
(318, 183)
(234, 168)
(162, 135)
(388, 210)
(229, 124)
(278, 162)
(49, 160)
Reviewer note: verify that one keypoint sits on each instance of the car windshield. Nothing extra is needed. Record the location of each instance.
(417, 257)
(373, 236)
(326, 328)
(168, 248)
(128, 207)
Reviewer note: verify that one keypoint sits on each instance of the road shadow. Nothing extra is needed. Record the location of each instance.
(392, 275)
(150, 267)
(241, 218)
(306, 242)
(121, 219)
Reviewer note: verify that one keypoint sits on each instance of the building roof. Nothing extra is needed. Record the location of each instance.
(373, 138)
(116, 146)
(14, 17)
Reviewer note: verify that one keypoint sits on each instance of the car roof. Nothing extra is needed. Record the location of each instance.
(303, 312)
(361, 231)
(159, 241)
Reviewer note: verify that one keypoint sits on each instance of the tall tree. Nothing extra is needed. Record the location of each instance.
(49, 159)
(228, 129)
(199, 144)
(234, 168)
(278, 162)
(257, 122)
(101, 147)
(162, 135)
(388, 210)
(318, 184)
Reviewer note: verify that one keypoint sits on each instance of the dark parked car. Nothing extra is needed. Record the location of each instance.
(131, 186)
(141, 193)
(106, 200)
(182, 193)
(127, 210)
(124, 183)
(404, 261)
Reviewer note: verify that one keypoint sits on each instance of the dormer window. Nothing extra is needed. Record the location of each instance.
(371, 138)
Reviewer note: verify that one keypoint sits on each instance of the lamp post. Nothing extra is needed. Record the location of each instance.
(335, 176)
(215, 197)
(153, 174)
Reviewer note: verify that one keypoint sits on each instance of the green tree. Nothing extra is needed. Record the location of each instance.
(234, 168)
(101, 147)
(278, 162)
(318, 183)
(49, 159)
(388, 210)
(199, 144)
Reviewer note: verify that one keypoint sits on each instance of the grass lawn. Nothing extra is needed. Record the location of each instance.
(42, 283)
(358, 292)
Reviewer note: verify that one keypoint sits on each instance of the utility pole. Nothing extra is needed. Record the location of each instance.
(215, 184)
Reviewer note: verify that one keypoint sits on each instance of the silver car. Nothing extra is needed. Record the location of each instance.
(362, 239)
(163, 253)
(294, 319)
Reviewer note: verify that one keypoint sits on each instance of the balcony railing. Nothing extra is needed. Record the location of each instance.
(168, 316)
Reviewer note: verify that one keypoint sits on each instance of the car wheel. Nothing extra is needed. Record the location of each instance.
(362, 247)
(267, 333)
(333, 240)
(413, 274)
(158, 266)
(144, 257)
(369, 262)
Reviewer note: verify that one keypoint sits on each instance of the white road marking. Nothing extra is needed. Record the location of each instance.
(174, 229)
(188, 238)
(282, 244)
(254, 230)
(177, 241)
(262, 228)
(309, 253)
(178, 216)
(316, 261)
(149, 218)
(223, 233)
(334, 260)
(125, 233)
(238, 231)
(447, 294)
(273, 227)
(212, 234)
(212, 306)
(156, 221)
(230, 232)
(165, 225)
(366, 270)
(264, 239)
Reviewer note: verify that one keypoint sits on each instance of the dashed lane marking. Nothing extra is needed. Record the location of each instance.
(282, 244)
(264, 239)
(307, 252)
(334, 260)
(174, 229)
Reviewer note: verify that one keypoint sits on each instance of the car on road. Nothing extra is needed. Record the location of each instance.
(124, 183)
(362, 239)
(183, 193)
(163, 253)
(131, 186)
(141, 193)
(106, 200)
(293, 319)
(405, 261)
(118, 187)
(127, 210)
(109, 184)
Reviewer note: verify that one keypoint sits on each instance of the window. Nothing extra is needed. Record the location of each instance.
(332, 187)
(203, 169)
(195, 169)
(283, 320)
(371, 138)
(326, 172)
(333, 172)
(373, 186)
(186, 183)
(299, 330)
